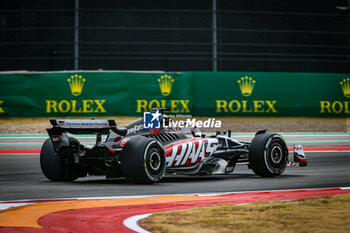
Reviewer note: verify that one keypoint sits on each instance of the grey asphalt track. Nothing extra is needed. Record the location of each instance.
(21, 177)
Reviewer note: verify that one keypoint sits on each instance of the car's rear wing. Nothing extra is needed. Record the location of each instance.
(81, 126)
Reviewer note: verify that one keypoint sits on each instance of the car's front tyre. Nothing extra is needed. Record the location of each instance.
(268, 155)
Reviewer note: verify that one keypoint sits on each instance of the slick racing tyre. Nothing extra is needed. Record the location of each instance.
(143, 161)
(268, 155)
(54, 167)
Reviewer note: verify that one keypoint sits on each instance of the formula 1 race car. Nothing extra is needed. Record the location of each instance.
(144, 155)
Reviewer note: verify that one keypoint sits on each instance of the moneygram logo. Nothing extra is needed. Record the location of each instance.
(76, 83)
(246, 84)
(165, 84)
(345, 85)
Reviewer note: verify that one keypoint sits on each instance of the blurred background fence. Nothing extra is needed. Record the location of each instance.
(182, 35)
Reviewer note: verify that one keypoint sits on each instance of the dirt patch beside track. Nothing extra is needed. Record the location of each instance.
(236, 124)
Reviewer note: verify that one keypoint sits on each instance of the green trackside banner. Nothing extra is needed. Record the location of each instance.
(41, 94)
(272, 94)
(93, 93)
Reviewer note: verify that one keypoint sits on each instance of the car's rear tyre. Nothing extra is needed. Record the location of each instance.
(143, 161)
(268, 155)
(53, 166)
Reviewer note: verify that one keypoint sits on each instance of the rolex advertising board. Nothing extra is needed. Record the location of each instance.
(272, 94)
(188, 93)
(93, 93)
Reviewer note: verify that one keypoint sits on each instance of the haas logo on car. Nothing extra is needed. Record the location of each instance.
(189, 153)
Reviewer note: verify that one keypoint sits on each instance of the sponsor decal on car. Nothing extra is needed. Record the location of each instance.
(82, 123)
(190, 153)
(135, 129)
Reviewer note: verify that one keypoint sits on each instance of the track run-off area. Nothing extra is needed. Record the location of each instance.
(31, 203)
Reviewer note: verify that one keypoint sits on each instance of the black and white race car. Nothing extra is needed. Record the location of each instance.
(145, 155)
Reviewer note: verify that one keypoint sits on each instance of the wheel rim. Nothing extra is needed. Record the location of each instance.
(276, 154)
(155, 161)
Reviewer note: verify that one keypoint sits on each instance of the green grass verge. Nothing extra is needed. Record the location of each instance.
(316, 214)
